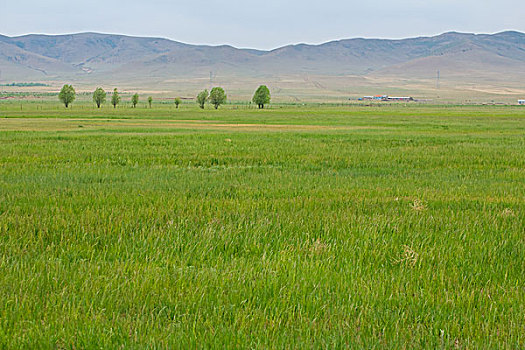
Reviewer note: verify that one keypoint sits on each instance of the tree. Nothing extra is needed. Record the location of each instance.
(261, 96)
(217, 97)
(135, 100)
(202, 97)
(99, 96)
(115, 98)
(150, 100)
(177, 102)
(67, 95)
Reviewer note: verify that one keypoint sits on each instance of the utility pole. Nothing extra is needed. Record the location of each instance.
(437, 80)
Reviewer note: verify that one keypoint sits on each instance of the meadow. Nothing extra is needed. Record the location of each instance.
(310, 226)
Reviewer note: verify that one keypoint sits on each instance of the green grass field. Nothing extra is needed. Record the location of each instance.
(292, 227)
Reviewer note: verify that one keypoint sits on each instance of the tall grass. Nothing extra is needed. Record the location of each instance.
(408, 232)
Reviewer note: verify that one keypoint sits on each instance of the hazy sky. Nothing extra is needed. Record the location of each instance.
(263, 24)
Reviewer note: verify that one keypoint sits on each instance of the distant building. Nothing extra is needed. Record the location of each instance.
(387, 98)
(376, 97)
(521, 102)
(397, 98)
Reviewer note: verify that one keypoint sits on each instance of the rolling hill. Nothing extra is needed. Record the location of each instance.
(92, 58)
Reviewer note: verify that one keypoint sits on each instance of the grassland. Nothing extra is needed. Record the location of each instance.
(293, 227)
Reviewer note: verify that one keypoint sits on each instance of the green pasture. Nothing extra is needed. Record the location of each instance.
(308, 226)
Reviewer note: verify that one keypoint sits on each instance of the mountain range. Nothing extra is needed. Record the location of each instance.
(93, 57)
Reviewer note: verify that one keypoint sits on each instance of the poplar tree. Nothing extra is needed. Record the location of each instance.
(67, 95)
(99, 96)
(115, 98)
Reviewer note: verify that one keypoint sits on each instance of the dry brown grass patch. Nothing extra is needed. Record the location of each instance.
(418, 205)
(409, 257)
(507, 212)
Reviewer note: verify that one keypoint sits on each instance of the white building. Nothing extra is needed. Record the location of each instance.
(521, 102)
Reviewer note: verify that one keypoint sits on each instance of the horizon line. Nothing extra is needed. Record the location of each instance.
(264, 50)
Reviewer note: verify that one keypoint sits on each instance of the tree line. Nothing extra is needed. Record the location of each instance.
(217, 96)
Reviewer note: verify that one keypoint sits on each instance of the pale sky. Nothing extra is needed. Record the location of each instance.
(264, 24)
